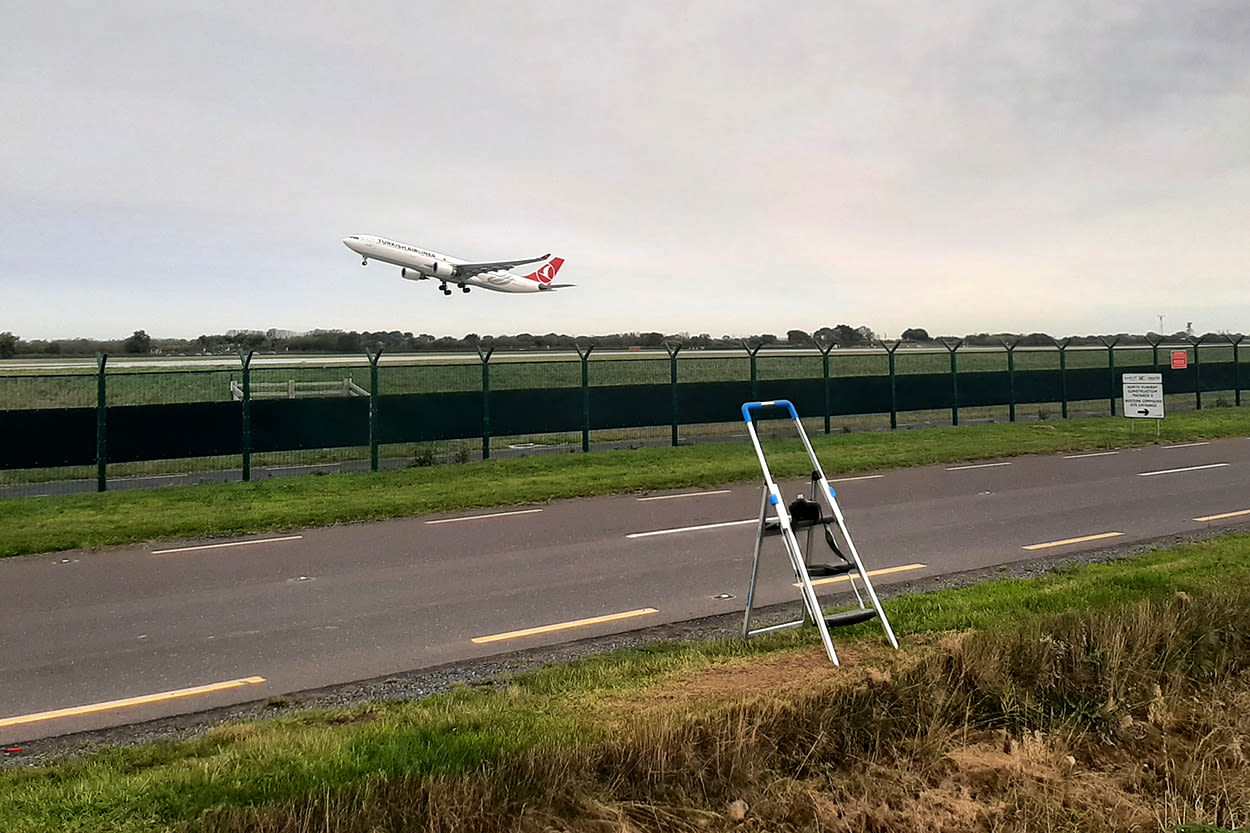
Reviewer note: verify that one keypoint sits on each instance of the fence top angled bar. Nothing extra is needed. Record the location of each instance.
(309, 361)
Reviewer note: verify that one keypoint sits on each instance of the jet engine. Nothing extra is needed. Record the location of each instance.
(412, 274)
(438, 269)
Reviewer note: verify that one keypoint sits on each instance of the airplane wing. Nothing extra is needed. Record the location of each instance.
(468, 270)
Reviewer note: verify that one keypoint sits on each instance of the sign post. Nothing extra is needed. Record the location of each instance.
(1143, 396)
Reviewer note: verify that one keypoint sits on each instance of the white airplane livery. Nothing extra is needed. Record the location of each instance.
(418, 264)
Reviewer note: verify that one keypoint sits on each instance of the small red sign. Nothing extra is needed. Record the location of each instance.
(1180, 359)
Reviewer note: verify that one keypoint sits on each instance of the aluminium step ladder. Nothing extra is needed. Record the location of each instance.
(808, 513)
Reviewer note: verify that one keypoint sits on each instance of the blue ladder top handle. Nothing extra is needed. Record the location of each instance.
(748, 407)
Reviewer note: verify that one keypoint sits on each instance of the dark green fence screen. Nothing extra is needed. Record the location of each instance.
(500, 399)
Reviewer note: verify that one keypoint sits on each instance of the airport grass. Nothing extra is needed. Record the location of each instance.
(1103, 697)
(49, 524)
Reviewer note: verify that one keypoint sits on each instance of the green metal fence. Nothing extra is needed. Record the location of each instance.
(399, 410)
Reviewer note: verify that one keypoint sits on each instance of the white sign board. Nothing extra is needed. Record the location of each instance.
(1143, 395)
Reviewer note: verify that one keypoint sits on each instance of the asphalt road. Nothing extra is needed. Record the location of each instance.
(267, 615)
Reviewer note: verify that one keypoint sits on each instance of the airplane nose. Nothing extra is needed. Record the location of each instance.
(347, 241)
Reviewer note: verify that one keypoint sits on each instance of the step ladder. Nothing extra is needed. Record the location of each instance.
(808, 512)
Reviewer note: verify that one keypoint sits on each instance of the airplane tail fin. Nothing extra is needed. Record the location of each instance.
(546, 273)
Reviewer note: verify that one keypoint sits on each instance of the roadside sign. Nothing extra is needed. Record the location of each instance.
(1180, 359)
(1143, 395)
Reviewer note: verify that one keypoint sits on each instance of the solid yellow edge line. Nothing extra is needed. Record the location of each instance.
(871, 574)
(130, 702)
(1067, 541)
(1225, 515)
(562, 626)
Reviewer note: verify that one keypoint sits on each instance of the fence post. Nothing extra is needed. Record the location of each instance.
(1011, 377)
(247, 413)
(1236, 368)
(585, 357)
(1110, 345)
(1063, 374)
(1196, 342)
(954, 379)
(755, 379)
(890, 351)
(672, 351)
(374, 434)
(485, 357)
(1154, 351)
(101, 425)
(824, 364)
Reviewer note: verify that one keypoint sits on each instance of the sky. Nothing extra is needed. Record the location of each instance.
(713, 166)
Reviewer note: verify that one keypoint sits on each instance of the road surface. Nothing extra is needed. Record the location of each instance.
(186, 626)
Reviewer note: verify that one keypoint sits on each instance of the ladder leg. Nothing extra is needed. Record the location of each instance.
(863, 574)
(755, 568)
(810, 601)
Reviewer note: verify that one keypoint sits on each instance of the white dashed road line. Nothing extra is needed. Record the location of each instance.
(1178, 471)
(685, 494)
(480, 517)
(978, 466)
(229, 544)
(691, 528)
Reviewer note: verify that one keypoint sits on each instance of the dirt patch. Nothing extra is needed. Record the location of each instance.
(804, 670)
(1174, 758)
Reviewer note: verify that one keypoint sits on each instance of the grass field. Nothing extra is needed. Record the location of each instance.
(1102, 698)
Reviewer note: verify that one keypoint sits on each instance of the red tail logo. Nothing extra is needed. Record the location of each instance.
(547, 272)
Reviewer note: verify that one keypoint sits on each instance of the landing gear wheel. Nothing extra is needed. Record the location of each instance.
(364, 262)
(464, 289)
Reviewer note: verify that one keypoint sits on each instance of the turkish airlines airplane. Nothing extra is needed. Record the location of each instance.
(417, 264)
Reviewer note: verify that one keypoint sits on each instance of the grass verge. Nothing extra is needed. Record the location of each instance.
(31, 525)
(1106, 697)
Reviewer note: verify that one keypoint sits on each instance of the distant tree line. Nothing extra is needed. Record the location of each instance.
(394, 341)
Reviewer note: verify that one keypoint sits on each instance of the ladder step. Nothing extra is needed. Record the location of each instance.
(772, 526)
(850, 617)
(827, 570)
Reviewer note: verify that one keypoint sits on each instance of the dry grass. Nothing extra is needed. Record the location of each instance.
(1137, 718)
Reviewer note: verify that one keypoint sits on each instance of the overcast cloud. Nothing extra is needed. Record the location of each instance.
(188, 167)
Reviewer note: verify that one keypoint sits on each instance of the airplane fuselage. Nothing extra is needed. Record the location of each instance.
(418, 264)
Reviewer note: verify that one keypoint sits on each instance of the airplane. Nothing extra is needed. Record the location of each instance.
(417, 264)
